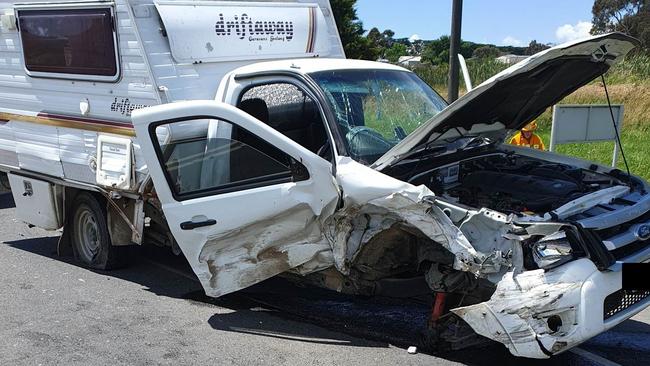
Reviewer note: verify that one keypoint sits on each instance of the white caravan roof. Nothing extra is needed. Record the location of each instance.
(310, 65)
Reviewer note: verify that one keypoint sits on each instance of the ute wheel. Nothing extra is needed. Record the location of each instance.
(91, 242)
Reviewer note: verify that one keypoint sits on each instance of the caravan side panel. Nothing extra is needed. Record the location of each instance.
(42, 127)
(200, 79)
(8, 154)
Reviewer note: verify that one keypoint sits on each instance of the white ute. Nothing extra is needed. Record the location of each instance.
(351, 175)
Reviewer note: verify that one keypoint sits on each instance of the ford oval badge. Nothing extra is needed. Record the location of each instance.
(642, 232)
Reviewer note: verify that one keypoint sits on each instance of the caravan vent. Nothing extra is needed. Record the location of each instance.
(114, 162)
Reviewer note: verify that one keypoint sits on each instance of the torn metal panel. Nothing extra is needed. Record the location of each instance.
(291, 240)
(537, 228)
(369, 210)
(487, 231)
(304, 239)
(516, 314)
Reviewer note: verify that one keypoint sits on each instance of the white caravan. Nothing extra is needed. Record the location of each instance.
(237, 134)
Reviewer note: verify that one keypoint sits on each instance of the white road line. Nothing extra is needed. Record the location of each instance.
(601, 361)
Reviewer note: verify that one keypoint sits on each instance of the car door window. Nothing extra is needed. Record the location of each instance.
(202, 157)
(289, 110)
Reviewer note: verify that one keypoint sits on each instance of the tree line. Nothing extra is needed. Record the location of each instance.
(628, 16)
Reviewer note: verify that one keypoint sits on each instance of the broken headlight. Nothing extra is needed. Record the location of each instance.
(552, 250)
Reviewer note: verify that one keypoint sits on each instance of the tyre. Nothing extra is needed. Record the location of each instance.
(91, 241)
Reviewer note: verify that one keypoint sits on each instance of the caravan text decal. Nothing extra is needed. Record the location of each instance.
(256, 30)
(125, 107)
(216, 31)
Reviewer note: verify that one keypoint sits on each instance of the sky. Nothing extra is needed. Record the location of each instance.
(500, 22)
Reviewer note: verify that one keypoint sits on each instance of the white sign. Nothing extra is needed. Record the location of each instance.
(227, 31)
(585, 123)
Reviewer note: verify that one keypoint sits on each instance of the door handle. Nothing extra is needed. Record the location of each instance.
(189, 225)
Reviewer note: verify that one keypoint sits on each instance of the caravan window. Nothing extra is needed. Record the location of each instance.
(69, 43)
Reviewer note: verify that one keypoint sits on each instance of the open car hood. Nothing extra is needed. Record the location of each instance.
(520, 93)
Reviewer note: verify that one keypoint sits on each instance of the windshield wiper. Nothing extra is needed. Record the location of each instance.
(429, 148)
(473, 140)
(425, 149)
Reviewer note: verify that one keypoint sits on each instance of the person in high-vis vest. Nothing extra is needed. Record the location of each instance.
(528, 138)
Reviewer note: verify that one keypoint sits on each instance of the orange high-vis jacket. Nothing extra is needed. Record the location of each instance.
(535, 141)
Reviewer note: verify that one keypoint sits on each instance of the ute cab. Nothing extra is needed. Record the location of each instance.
(354, 175)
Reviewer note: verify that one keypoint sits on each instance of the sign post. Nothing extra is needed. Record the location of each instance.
(585, 123)
(454, 48)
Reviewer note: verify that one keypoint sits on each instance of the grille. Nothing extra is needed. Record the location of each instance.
(629, 249)
(612, 231)
(621, 300)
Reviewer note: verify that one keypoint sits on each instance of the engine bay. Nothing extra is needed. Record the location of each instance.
(512, 183)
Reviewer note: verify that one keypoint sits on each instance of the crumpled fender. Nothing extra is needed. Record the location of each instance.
(516, 314)
(372, 202)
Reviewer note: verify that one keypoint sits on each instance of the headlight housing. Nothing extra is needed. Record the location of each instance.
(552, 250)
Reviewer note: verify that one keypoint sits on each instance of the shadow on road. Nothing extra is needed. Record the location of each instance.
(255, 322)
(6, 200)
(246, 315)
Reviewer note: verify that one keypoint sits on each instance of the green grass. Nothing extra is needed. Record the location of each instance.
(635, 144)
(635, 133)
(628, 84)
(479, 71)
(633, 69)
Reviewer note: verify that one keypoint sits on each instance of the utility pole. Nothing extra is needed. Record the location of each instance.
(454, 48)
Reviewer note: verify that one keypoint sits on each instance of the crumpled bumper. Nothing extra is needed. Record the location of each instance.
(537, 314)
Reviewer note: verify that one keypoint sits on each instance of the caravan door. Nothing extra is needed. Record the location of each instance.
(243, 201)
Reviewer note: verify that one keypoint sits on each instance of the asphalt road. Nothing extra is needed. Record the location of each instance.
(55, 312)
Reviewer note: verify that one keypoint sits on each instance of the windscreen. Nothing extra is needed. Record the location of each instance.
(376, 109)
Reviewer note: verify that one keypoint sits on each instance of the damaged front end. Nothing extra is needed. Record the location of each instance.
(534, 281)
(522, 247)
(395, 239)
(548, 233)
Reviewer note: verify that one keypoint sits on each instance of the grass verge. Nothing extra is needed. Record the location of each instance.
(628, 84)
